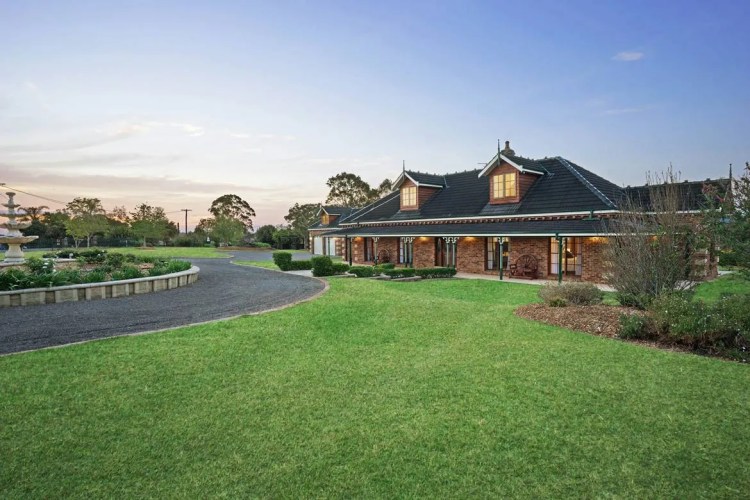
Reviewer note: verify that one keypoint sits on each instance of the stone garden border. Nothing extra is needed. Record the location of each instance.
(97, 291)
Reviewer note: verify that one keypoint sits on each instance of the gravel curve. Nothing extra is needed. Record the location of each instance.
(223, 290)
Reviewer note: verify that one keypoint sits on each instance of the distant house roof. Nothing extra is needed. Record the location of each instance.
(343, 213)
(692, 194)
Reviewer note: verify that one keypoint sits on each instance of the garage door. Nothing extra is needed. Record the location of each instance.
(318, 245)
(331, 246)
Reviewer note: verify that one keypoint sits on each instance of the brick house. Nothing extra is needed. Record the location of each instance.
(321, 238)
(550, 216)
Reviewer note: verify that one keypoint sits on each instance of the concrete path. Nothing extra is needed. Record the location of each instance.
(223, 290)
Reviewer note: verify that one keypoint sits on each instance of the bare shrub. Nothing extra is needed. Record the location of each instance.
(654, 246)
(577, 294)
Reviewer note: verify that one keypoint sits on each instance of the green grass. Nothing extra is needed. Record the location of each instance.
(167, 252)
(376, 389)
(265, 264)
(712, 291)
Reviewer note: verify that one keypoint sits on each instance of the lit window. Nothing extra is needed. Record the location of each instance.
(504, 186)
(409, 196)
(325, 219)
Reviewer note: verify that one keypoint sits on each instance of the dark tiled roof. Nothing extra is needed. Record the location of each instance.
(423, 178)
(336, 210)
(506, 228)
(344, 214)
(691, 194)
(527, 163)
(564, 187)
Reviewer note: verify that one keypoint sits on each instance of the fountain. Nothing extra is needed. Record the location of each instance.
(14, 239)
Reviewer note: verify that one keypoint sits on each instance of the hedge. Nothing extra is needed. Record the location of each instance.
(340, 267)
(322, 266)
(300, 265)
(436, 272)
(403, 272)
(362, 271)
(283, 260)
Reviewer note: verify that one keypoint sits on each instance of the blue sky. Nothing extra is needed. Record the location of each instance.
(177, 103)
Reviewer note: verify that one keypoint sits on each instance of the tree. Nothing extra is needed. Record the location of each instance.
(654, 249)
(385, 187)
(285, 237)
(118, 221)
(348, 190)
(149, 222)
(34, 214)
(264, 234)
(735, 232)
(227, 230)
(301, 217)
(86, 219)
(55, 225)
(233, 207)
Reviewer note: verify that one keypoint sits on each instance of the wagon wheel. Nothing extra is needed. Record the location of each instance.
(527, 262)
(384, 256)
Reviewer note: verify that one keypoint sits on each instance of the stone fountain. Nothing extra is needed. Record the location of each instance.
(14, 239)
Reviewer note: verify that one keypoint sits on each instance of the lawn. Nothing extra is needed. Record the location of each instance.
(376, 389)
(265, 264)
(711, 291)
(167, 252)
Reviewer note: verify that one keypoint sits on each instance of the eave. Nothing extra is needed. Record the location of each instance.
(495, 162)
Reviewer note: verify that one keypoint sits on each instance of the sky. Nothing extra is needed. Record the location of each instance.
(177, 103)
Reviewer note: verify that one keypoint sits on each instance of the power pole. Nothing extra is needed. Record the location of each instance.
(186, 210)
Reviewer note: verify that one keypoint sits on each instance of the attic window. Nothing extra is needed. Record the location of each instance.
(325, 219)
(504, 186)
(409, 196)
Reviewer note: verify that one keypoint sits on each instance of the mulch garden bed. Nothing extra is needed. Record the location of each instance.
(596, 320)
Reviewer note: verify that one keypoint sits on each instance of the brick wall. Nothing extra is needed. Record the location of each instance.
(390, 244)
(594, 264)
(470, 255)
(538, 247)
(424, 252)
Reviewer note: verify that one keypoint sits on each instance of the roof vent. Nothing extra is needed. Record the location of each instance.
(507, 151)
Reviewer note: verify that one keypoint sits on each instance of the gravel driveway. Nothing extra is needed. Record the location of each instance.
(222, 290)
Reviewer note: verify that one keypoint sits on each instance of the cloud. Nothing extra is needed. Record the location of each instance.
(628, 56)
(70, 144)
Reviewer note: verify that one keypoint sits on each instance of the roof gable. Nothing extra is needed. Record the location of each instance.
(523, 165)
(420, 179)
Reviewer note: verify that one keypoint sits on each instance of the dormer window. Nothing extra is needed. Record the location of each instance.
(504, 186)
(325, 219)
(409, 196)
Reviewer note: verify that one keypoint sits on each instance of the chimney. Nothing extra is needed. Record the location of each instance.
(507, 150)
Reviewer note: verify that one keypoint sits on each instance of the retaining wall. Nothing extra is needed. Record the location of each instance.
(97, 291)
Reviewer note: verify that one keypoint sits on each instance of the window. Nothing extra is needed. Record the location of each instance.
(503, 185)
(369, 249)
(571, 256)
(409, 196)
(491, 257)
(325, 219)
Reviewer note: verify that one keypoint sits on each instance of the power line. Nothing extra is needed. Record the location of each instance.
(35, 195)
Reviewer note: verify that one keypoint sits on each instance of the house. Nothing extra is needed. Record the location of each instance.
(320, 235)
(543, 218)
